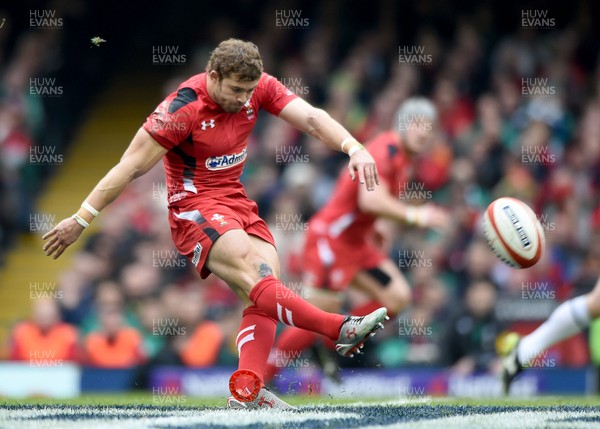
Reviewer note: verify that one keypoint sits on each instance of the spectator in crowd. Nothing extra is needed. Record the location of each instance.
(114, 344)
(44, 340)
(470, 341)
(492, 129)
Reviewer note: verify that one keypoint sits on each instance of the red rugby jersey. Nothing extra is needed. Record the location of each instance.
(341, 217)
(207, 146)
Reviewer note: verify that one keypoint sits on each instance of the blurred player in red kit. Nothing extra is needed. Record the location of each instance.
(201, 132)
(340, 250)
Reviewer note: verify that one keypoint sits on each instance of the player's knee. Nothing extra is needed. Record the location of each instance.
(398, 299)
(256, 268)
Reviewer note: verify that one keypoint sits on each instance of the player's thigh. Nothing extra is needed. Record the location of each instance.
(386, 284)
(236, 259)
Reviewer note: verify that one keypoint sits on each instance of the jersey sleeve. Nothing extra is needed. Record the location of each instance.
(274, 95)
(169, 128)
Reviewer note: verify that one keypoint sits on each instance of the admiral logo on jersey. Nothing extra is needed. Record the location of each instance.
(225, 161)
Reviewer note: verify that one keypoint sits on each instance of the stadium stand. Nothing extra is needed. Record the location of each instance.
(519, 116)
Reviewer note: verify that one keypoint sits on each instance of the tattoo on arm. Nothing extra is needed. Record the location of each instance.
(264, 270)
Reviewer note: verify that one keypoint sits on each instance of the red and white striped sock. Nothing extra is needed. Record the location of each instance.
(255, 340)
(283, 304)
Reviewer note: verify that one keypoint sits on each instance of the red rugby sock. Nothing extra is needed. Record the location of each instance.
(255, 340)
(283, 304)
(289, 345)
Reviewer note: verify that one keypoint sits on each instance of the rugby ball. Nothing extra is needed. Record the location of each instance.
(513, 232)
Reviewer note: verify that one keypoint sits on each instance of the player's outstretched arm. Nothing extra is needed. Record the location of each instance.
(381, 203)
(141, 155)
(320, 125)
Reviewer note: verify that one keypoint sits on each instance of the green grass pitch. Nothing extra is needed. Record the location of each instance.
(145, 410)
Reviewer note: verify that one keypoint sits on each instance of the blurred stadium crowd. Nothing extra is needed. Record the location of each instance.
(519, 115)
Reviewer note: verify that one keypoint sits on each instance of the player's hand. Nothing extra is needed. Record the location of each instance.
(363, 164)
(61, 236)
(431, 216)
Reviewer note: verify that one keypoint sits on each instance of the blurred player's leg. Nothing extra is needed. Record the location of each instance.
(386, 285)
(568, 319)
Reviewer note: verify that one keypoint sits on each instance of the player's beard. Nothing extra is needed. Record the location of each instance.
(231, 108)
(227, 106)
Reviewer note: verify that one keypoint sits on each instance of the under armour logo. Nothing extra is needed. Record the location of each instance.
(264, 401)
(210, 123)
(351, 333)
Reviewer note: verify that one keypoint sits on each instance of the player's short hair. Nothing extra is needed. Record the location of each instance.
(235, 56)
(414, 108)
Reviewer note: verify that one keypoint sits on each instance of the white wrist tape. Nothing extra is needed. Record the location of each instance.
(355, 149)
(90, 209)
(81, 221)
(346, 141)
(412, 215)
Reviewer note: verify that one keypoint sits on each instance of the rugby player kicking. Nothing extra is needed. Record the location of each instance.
(339, 249)
(201, 132)
(568, 319)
